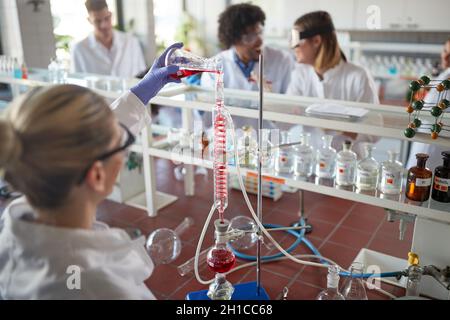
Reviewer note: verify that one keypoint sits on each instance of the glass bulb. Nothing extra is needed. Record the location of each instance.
(246, 224)
(163, 246)
(220, 258)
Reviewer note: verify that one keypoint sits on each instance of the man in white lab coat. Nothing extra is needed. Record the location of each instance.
(433, 150)
(240, 32)
(107, 51)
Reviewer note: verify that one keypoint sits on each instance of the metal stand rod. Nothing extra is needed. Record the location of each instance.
(301, 213)
(259, 205)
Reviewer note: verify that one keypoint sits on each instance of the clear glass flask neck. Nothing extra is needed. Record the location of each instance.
(368, 150)
(392, 156)
(304, 139)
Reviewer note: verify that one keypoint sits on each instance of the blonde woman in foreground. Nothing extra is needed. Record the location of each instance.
(63, 147)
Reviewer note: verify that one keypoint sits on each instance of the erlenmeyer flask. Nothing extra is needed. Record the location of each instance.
(190, 63)
(164, 245)
(354, 288)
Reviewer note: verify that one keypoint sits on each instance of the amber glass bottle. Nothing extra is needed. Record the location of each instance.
(418, 184)
(441, 186)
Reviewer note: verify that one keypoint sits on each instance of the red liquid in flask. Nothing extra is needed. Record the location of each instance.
(221, 260)
(182, 73)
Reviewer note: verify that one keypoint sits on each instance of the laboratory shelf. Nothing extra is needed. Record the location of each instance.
(430, 209)
(381, 121)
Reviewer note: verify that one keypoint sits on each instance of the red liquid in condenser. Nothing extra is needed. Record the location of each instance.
(221, 261)
(182, 73)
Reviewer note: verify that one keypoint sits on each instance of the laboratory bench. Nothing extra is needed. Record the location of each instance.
(347, 223)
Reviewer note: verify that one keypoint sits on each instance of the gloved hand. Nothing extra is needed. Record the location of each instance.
(156, 78)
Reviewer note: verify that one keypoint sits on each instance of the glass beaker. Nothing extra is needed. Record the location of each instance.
(190, 63)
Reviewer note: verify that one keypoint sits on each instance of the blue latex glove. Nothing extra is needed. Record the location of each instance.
(156, 78)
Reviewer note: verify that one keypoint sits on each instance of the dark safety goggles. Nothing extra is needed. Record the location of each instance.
(298, 37)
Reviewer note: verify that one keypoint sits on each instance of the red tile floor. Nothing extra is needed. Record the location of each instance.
(340, 229)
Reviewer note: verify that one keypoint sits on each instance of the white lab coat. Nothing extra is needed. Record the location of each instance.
(278, 66)
(36, 259)
(345, 81)
(433, 150)
(125, 58)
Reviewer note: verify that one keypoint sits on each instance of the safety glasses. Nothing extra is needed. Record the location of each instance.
(299, 37)
(127, 140)
(295, 39)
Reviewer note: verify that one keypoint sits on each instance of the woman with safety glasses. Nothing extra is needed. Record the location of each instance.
(63, 147)
(241, 29)
(323, 71)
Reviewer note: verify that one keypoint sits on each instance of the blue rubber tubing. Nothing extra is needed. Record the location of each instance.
(300, 235)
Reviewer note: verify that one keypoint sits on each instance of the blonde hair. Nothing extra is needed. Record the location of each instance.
(49, 137)
(330, 53)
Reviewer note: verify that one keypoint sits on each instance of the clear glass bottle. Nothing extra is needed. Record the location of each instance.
(367, 171)
(304, 157)
(441, 186)
(346, 165)
(326, 159)
(418, 182)
(391, 175)
(267, 156)
(332, 291)
(354, 288)
(53, 68)
(17, 69)
(284, 160)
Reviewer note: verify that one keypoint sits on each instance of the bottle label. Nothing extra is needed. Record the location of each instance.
(441, 184)
(324, 163)
(423, 182)
(345, 172)
(367, 179)
(303, 165)
(391, 181)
